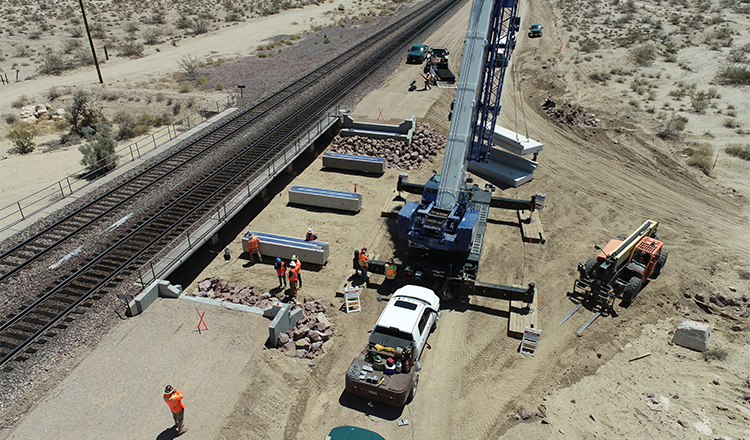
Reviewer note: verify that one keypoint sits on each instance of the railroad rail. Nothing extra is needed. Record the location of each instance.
(237, 149)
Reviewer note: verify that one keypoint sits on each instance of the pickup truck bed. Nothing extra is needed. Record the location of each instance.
(443, 73)
(392, 389)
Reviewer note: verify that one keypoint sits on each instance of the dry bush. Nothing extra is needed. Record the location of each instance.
(733, 74)
(600, 77)
(718, 354)
(643, 55)
(700, 102)
(672, 127)
(131, 49)
(22, 136)
(731, 123)
(701, 156)
(588, 45)
(738, 150)
(151, 36)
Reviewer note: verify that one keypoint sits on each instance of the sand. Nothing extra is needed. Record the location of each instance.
(599, 182)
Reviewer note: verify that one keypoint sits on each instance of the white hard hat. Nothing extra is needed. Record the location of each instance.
(309, 230)
(294, 257)
(292, 264)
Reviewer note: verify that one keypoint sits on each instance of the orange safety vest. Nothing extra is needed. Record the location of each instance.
(253, 243)
(390, 271)
(309, 236)
(174, 401)
(293, 274)
(363, 259)
(297, 265)
(280, 269)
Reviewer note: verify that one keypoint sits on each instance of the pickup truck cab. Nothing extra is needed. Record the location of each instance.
(438, 55)
(417, 54)
(386, 371)
(535, 30)
(502, 47)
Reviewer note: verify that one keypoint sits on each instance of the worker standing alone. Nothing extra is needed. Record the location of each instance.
(281, 272)
(298, 266)
(363, 259)
(310, 236)
(174, 400)
(253, 243)
(390, 275)
(293, 278)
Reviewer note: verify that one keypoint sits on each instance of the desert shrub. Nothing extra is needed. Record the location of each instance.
(200, 26)
(733, 74)
(184, 88)
(126, 126)
(188, 64)
(718, 354)
(10, 118)
(643, 55)
(132, 27)
(131, 49)
(176, 108)
(738, 150)
(53, 94)
(54, 64)
(600, 77)
(159, 97)
(22, 136)
(672, 127)
(232, 16)
(83, 57)
(588, 45)
(76, 32)
(99, 152)
(70, 44)
(201, 80)
(183, 22)
(262, 55)
(730, 123)
(701, 156)
(151, 36)
(700, 102)
(20, 102)
(80, 115)
(218, 86)
(326, 41)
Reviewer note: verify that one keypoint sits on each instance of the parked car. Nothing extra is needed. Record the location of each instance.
(535, 30)
(418, 53)
(352, 433)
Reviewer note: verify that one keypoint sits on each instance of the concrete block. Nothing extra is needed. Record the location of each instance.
(158, 288)
(325, 198)
(515, 142)
(284, 321)
(505, 169)
(281, 246)
(168, 290)
(404, 131)
(354, 162)
(693, 335)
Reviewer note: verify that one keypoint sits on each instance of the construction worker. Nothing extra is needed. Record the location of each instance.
(281, 272)
(427, 81)
(390, 275)
(363, 259)
(309, 236)
(173, 398)
(293, 278)
(252, 246)
(298, 266)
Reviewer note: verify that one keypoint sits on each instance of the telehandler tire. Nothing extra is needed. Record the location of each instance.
(659, 265)
(588, 268)
(631, 290)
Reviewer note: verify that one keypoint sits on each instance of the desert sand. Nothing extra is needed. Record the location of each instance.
(600, 182)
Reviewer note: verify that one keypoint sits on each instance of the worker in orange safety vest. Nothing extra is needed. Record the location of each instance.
(390, 275)
(252, 246)
(298, 266)
(173, 398)
(363, 259)
(281, 272)
(310, 236)
(293, 278)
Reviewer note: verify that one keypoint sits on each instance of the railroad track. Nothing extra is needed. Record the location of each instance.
(281, 117)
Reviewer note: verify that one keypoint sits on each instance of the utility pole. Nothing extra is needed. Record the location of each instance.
(91, 42)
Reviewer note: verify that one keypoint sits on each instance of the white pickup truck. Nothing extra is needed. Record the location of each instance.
(386, 370)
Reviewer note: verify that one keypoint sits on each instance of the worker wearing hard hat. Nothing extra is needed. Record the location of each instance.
(310, 236)
(253, 244)
(298, 266)
(281, 272)
(390, 275)
(173, 398)
(293, 275)
(363, 259)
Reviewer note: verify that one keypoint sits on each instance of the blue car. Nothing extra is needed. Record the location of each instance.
(352, 433)
(417, 54)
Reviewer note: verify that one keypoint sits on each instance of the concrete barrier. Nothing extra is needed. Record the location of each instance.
(404, 131)
(158, 288)
(272, 245)
(283, 321)
(505, 168)
(353, 162)
(693, 335)
(325, 198)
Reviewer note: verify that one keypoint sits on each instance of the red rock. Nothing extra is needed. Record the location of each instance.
(283, 339)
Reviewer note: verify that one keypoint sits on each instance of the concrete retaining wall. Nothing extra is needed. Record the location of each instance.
(325, 198)
(284, 320)
(505, 168)
(353, 162)
(315, 252)
(404, 131)
(514, 142)
(158, 288)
